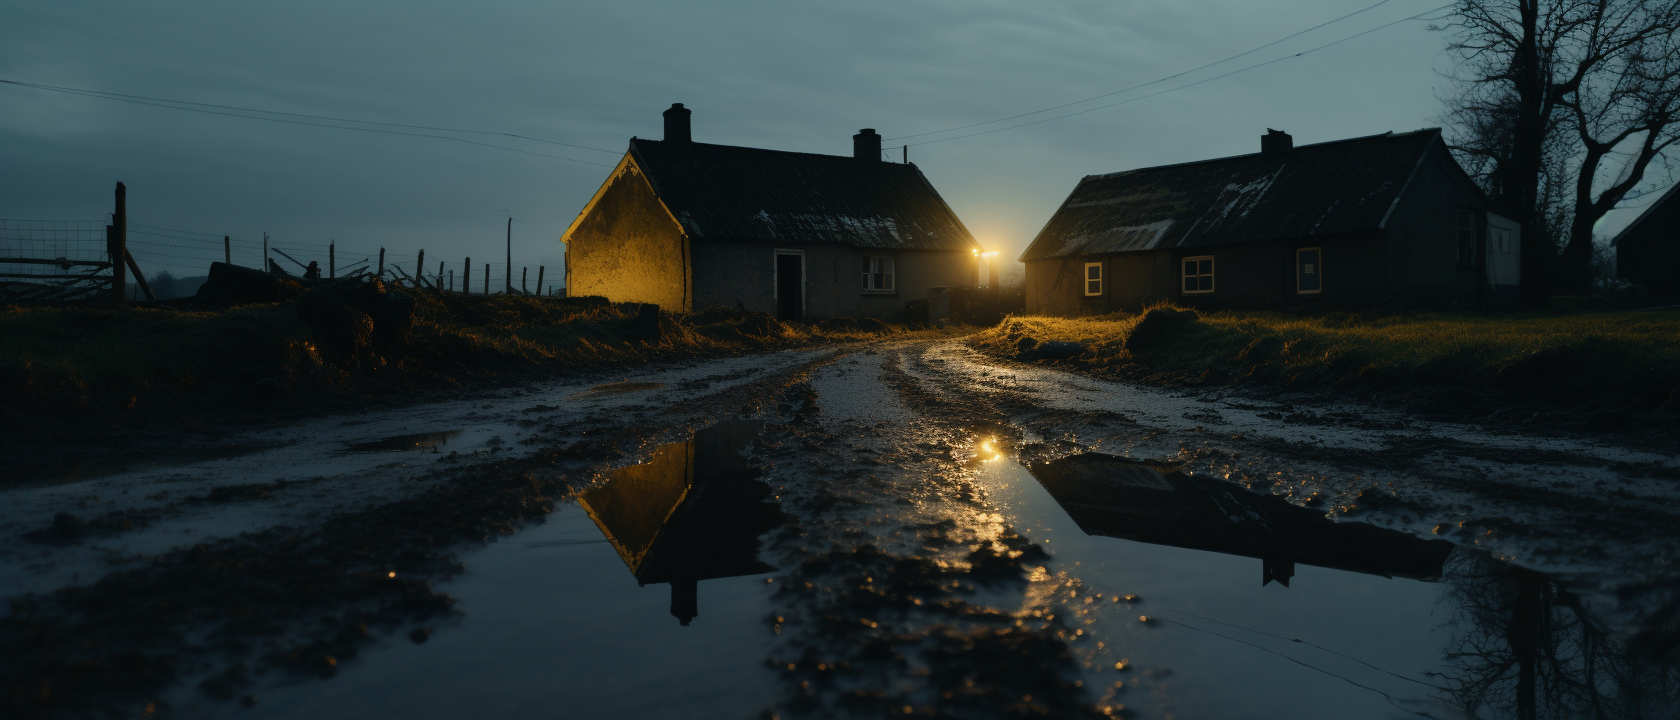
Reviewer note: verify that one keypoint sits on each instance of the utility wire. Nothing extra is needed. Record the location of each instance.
(1151, 82)
(1420, 16)
(162, 104)
(1308, 644)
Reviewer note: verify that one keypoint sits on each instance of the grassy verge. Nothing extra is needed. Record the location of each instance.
(265, 359)
(1608, 367)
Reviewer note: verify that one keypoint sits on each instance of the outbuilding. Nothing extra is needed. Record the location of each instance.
(1648, 249)
(1388, 218)
(687, 225)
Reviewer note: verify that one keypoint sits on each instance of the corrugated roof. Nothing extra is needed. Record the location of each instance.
(735, 193)
(1324, 189)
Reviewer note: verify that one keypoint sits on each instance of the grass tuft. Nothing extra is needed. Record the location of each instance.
(1630, 359)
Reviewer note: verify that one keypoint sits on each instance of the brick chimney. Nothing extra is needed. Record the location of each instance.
(677, 131)
(866, 145)
(1274, 141)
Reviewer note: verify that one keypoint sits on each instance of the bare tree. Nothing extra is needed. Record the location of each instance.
(1626, 95)
(1540, 84)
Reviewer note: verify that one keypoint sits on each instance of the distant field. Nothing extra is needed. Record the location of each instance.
(1626, 358)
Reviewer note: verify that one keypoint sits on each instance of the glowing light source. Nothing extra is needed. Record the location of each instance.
(988, 254)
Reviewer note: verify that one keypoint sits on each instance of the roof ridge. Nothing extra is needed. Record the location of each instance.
(781, 152)
(1390, 134)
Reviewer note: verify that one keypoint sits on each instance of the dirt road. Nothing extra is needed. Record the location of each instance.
(891, 529)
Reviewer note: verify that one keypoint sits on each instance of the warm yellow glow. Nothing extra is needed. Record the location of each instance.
(988, 254)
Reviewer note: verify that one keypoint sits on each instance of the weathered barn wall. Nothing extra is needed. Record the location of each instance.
(1423, 265)
(1246, 275)
(742, 275)
(627, 248)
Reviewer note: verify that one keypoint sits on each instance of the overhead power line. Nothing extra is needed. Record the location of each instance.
(181, 105)
(1156, 81)
(1420, 16)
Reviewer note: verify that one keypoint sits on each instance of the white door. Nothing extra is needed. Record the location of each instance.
(1504, 251)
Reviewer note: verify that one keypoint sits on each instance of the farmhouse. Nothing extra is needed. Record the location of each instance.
(687, 225)
(1389, 218)
(1648, 249)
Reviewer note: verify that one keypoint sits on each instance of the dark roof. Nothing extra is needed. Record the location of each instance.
(736, 193)
(1313, 190)
(1649, 211)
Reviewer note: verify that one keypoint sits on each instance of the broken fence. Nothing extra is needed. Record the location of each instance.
(54, 261)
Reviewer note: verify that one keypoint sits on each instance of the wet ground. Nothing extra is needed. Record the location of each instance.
(898, 529)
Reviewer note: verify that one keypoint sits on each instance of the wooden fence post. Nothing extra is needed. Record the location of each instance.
(332, 258)
(539, 279)
(524, 272)
(227, 250)
(486, 278)
(438, 286)
(116, 243)
(381, 274)
(266, 261)
(419, 269)
(466, 276)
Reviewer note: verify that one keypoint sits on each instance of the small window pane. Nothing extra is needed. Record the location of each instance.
(1189, 267)
(1093, 272)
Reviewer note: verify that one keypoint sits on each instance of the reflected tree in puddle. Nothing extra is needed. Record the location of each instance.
(1526, 648)
(694, 511)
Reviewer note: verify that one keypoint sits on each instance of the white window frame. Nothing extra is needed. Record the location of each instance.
(875, 263)
(1319, 271)
(1085, 279)
(1213, 270)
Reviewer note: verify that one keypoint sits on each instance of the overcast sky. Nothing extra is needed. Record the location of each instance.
(788, 76)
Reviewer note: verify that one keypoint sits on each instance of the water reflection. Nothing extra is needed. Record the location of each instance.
(1121, 498)
(1524, 646)
(693, 512)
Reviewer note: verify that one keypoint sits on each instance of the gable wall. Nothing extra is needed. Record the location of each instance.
(627, 248)
(1423, 267)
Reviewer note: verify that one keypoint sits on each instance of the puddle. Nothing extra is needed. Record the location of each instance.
(571, 616)
(1214, 602)
(693, 512)
(412, 441)
(615, 388)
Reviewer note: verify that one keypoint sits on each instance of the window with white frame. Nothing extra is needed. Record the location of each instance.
(1198, 274)
(1093, 279)
(878, 274)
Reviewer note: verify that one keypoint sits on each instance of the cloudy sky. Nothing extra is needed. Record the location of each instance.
(791, 76)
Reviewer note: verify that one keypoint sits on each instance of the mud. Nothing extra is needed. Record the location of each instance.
(908, 528)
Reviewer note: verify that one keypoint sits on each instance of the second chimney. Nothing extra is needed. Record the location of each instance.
(1276, 141)
(866, 145)
(677, 130)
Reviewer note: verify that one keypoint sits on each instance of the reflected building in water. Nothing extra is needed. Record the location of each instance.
(1121, 498)
(694, 511)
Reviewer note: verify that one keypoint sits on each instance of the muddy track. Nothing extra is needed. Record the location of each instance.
(902, 587)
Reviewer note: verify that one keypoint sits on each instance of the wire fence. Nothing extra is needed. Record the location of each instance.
(56, 260)
(36, 255)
